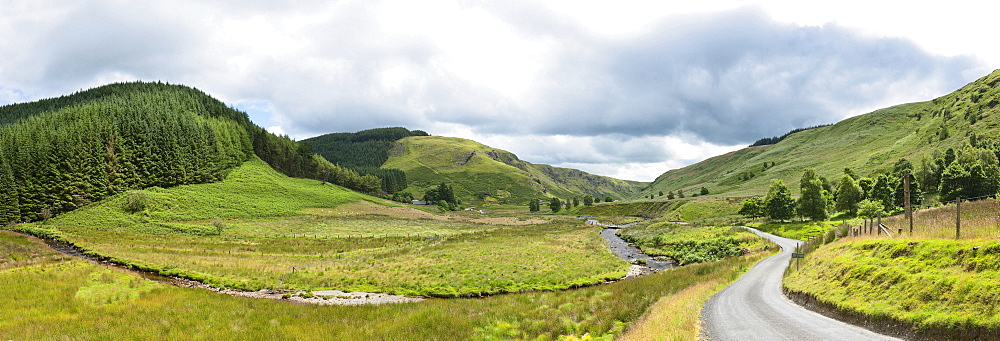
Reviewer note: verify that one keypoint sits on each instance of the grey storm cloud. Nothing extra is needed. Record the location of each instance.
(733, 77)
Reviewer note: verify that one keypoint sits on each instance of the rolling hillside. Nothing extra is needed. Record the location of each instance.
(867, 144)
(481, 173)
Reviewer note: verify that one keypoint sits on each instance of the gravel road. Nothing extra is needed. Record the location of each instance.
(753, 308)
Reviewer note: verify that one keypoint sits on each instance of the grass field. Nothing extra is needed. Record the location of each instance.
(545, 257)
(70, 299)
(259, 229)
(930, 283)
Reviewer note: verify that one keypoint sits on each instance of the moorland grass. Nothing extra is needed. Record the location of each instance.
(73, 299)
(482, 174)
(18, 250)
(537, 257)
(928, 283)
(259, 229)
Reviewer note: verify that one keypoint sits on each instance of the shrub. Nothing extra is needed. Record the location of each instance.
(219, 225)
(137, 201)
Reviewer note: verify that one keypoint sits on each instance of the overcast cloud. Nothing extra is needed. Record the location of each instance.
(546, 81)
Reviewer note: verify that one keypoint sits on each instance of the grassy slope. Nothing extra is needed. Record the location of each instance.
(865, 143)
(251, 190)
(476, 171)
(931, 284)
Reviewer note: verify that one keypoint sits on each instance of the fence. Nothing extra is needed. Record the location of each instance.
(966, 219)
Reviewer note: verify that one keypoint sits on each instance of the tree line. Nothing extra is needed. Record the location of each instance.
(773, 140)
(971, 172)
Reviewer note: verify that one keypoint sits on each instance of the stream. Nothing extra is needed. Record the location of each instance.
(629, 253)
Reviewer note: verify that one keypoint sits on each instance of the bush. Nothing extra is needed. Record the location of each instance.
(219, 225)
(137, 201)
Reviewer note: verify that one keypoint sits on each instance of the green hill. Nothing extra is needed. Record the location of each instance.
(868, 144)
(60, 154)
(480, 173)
(365, 152)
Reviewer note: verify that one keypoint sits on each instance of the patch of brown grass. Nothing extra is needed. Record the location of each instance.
(360, 208)
(510, 221)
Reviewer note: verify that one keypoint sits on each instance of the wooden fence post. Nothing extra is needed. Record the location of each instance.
(906, 200)
(958, 218)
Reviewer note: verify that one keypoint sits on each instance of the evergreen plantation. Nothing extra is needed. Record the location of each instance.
(63, 153)
(365, 152)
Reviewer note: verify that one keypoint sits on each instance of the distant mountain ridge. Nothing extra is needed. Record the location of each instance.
(481, 173)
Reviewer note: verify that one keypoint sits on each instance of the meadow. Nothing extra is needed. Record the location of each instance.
(262, 230)
(71, 298)
(538, 257)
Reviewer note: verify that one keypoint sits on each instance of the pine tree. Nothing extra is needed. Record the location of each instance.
(555, 205)
(533, 205)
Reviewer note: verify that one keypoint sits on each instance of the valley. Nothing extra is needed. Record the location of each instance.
(465, 241)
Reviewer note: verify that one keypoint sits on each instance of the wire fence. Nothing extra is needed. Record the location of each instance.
(970, 218)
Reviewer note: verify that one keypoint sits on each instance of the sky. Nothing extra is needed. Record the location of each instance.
(628, 89)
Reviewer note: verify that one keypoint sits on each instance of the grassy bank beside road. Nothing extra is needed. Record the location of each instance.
(941, 287)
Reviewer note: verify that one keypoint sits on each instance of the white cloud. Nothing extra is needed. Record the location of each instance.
(629, 89)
